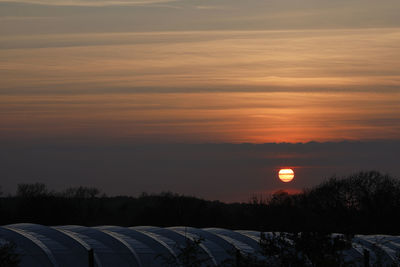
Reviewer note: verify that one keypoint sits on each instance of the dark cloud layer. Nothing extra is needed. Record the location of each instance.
(118, 16)
(228, 172)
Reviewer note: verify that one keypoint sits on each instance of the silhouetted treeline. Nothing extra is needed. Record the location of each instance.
(367, 202)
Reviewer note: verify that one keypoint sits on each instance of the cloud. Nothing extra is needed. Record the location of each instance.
(201, 117)
(265, 86)
(123, 72)
(187, 15)
(90, 3)
(203, 61)
(210, 7)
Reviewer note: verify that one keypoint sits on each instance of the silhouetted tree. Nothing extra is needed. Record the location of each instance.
(277, 250)
(81, 192)
(360, 198)
(32, 190)
(189, 255)
(366, 202)
(305, 249)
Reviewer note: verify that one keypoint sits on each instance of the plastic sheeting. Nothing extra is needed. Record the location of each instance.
(148, 246)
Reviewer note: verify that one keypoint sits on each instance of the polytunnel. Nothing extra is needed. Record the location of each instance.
(149, 246)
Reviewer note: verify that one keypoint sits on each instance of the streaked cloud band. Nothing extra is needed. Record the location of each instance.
(88, 3)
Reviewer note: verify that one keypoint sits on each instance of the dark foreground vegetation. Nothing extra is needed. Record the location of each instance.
(280, 250)
(8, 255)
(364, 203)
(301, 225)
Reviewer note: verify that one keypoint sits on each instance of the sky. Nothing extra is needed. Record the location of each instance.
(201, 97)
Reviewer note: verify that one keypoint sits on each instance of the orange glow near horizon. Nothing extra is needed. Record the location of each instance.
(234, 87)
(286, 175)
(202, 117)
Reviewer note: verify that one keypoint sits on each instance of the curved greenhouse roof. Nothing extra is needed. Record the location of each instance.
(147, 246)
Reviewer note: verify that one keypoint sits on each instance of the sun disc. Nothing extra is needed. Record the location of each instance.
(286, 175)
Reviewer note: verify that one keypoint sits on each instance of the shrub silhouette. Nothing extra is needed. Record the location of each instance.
(8, 256)
(189, 255)
(32, 190)
(364, 203)
(277, 250)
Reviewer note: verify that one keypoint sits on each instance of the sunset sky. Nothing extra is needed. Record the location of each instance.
(122, 94)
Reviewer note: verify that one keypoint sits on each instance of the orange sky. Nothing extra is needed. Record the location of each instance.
(202, 86)
(149, 95)
(204, 117)
(226, 71)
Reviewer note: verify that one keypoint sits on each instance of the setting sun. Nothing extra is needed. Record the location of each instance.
(286, 175)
